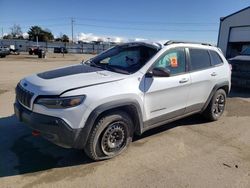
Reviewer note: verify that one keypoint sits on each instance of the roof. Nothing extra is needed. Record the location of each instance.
(159, 45)
(223, 18)
(155, 45)
(186, 42)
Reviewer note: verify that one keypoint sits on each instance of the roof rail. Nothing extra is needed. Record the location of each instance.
(185, 42)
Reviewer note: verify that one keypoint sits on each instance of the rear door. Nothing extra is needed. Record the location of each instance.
(219, 70)
(202, 76)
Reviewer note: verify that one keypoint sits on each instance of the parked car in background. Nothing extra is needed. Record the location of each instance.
(241, 69)
(13, 50)
(101, 104)
(4, 52)
(33, 50)
(62, 50)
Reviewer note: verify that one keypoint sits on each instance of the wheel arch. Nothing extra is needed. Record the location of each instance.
(225, 88)
(131, 107)
(223, 85)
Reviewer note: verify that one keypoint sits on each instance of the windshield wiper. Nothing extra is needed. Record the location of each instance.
(117, 69)
(106, 67)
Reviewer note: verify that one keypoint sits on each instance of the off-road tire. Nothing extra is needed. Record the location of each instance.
(216, 106)
(109, 126)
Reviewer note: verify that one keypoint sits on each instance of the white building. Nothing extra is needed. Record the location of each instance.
(234, 32)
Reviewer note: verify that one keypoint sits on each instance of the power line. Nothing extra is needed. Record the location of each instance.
(34, 20)
(147, 29)
(138, 22)
(135, 25)
(73, 23)
(148, 22)
(44, 26)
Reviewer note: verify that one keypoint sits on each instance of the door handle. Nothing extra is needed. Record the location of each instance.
(214, 74)
(183, 80)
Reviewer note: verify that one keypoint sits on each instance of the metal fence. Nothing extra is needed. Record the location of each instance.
(24, 45)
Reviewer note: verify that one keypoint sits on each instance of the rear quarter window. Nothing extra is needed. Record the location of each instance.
(199, 59)
(215, 58)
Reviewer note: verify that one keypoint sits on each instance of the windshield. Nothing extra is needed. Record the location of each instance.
(124, 59)
(246, 51)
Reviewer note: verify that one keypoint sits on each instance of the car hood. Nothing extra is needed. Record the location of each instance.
(58, 81)
(240, 58)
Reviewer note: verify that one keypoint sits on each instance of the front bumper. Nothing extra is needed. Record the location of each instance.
(52, 128)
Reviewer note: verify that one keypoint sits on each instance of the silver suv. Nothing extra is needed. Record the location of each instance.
(100, 104)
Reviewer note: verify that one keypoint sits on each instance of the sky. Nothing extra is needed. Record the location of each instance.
(190, 20)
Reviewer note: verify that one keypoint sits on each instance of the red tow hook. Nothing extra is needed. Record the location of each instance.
(35, 133)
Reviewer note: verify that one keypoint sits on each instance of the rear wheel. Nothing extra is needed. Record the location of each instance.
(110, 136)
(216, 106)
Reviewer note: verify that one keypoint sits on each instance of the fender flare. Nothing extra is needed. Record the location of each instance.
(83, 134)
(215, 88)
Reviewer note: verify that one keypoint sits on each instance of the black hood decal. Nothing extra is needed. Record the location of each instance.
(77, 69)
(90, 85)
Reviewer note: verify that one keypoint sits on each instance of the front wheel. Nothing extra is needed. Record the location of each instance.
(110, 136)
(216, 106)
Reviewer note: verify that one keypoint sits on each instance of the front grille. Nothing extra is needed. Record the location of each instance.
(23, 96)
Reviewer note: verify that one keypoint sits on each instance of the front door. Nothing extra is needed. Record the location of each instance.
(166, 97)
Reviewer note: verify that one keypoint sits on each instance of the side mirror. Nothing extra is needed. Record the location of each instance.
(159, 72)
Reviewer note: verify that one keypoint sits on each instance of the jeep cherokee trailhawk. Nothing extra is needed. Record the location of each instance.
(100, 104)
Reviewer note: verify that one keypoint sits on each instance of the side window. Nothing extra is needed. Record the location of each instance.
(174, 60)
(199, 59)
(216, 59)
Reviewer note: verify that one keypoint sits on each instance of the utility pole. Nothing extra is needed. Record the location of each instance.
(108, 42)
(72, 29)
(2, 32)
(37, 41)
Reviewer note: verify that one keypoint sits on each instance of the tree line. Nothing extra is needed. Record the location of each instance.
(35, 33)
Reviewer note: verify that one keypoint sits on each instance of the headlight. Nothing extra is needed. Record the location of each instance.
(59, 103)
